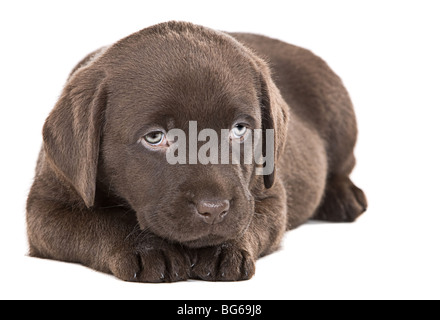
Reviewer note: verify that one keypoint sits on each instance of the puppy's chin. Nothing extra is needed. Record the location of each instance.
(203, 237)
(206, 241)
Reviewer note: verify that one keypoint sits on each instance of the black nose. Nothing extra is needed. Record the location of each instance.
(212, 212)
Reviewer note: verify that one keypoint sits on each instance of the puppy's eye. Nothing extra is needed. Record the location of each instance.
(239, 131)
(156, 139)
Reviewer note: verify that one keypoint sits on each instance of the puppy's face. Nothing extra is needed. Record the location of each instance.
(165, 86)
(109, 132)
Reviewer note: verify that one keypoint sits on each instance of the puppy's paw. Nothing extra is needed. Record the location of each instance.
(227, 262)
(165, 264)
(343, 201)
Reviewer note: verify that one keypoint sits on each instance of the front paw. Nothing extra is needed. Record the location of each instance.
(227, 262)
(168, 263)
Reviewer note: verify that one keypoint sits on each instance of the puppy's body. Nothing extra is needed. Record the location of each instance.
(102, 200)
(322, 134)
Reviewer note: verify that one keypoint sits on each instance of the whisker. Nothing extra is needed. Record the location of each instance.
(115, 206)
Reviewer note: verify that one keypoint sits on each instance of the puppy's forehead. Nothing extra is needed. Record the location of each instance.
(183, 75)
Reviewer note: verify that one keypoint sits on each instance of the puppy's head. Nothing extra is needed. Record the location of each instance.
(110, 128)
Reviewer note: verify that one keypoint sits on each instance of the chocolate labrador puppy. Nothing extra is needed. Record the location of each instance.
(106, 196)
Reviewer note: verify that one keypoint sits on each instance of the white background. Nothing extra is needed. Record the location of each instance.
(387, 53)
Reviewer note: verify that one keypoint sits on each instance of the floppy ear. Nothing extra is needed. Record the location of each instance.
(275, 115)
(72, 132)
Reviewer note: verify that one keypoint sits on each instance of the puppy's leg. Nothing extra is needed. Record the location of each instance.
(235, 260)
(107, 240)
(342, 202)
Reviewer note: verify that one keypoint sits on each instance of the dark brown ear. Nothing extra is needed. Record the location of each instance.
(274, 113)
(72, 132)
(267, 123)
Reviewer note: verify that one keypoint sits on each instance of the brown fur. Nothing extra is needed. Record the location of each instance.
(101, 199)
